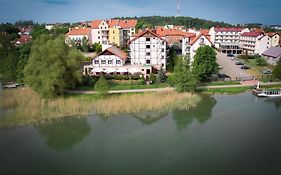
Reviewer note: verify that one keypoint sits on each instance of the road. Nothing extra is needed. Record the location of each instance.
(164, 89)
(229, 67)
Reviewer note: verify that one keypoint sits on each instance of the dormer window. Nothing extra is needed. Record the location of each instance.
(201, 40)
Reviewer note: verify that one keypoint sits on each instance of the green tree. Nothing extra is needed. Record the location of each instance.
(152, 78)
(183, 78)
(204, 63)
(102, 85)
(277, 70)
(261, 61)
(8, 58)
(52, 66)
(23, 56)
(161, 76)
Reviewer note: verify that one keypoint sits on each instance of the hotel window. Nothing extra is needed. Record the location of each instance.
(103, 61)
(201, 40)
(148, 46)
(118, 62)
(147, 53)
(147, 61)
(147, 39)
(97, 62)
(163, 50)
(110, 61)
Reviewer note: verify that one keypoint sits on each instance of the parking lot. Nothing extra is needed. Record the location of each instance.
(230, 68)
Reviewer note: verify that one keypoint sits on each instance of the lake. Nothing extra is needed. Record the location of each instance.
(224, 134)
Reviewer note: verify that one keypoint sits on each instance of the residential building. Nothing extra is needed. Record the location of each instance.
(173, 36)
(49, 27)
(272, 55)
(107, 62)
(254, 42)
(25, 30)
(275, 38)
(116, 36)
(78, 34)
(148, 48)
(103, 31)
(191, 44)
(100, 32)
(23, 40)
(227, 40)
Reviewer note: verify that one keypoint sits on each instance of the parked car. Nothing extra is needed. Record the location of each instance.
(230, 55)
(245, 67)
(267, 72)
(223, 76)
(220, 67)
(239, 63)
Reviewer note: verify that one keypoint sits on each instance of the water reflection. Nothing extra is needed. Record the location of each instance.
(63, 135)
(149, 118)
(276, 101)
(201, 113)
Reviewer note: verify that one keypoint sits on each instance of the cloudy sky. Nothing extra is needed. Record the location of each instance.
(50, 11)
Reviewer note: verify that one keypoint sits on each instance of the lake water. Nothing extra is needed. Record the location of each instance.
(224, 134)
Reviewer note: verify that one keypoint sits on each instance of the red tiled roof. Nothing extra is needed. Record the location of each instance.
(251, 34)
(115, 51)
(173, 32)
(79, 31)
(95, 24)
(126, 24)
(145, 32)
(228, 29)
(258, 30)
(24, 39)
(193, 40)
(271, 34)
(205, 31)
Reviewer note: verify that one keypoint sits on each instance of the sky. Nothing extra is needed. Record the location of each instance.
(51, 11)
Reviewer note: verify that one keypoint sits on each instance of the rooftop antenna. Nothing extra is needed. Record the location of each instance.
(178, 8)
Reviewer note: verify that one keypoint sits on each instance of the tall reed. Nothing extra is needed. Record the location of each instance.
(24, 106)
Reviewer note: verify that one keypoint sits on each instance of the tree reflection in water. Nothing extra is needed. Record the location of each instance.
(201, 113)
(149, 118)
(63, 135)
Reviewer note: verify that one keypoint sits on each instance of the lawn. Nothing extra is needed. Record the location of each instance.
(126, 85)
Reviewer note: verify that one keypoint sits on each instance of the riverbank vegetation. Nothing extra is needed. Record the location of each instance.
(24, 106)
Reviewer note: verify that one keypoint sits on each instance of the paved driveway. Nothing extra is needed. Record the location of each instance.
(229, 67)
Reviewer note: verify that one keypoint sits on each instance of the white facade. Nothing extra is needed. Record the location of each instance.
(148, 49)
(226, 35)
(262, 44)
(255, 44)
(49, 27)
(275, 39)
(202, 40)
(95, 36)
(77, 37)
(190, 46)
(108, 61)
(100, 33)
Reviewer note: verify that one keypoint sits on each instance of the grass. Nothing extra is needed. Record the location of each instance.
(221, 83)
(125, 85)
(233, 90)
(23, 106)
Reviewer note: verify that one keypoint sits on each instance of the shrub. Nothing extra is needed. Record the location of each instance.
(261, 61)
(102, 85)
(152, 78)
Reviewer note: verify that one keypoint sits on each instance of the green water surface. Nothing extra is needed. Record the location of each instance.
(225, 134)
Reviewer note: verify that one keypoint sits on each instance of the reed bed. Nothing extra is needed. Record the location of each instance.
(146, 102)
(24, 106)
